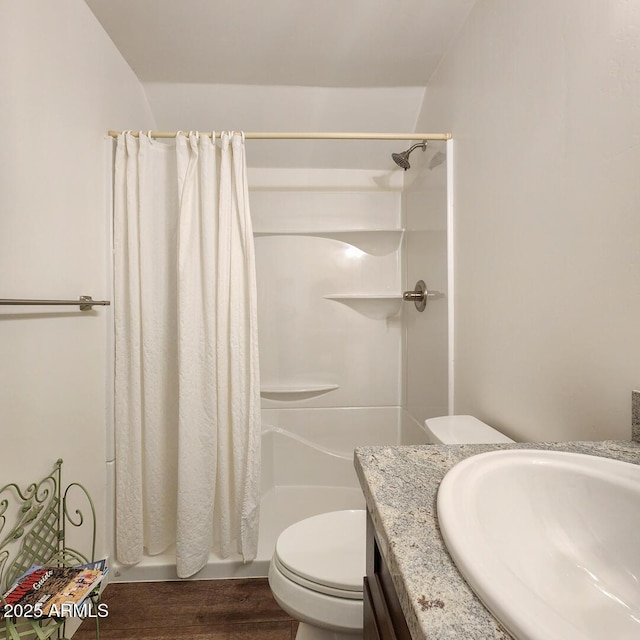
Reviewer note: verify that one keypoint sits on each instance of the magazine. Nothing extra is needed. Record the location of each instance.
(56, 592)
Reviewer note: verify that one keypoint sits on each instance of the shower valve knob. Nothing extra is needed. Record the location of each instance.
(420, 295)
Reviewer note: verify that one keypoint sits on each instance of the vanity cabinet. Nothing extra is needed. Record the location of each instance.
(383, 616)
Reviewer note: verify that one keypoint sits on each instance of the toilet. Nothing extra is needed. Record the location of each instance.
(461, 430)
(317, 570)
(316, 574)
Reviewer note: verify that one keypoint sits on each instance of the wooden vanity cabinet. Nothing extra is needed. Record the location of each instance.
(383, 616)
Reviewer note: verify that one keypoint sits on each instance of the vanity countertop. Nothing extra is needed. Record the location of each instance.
(400, 485)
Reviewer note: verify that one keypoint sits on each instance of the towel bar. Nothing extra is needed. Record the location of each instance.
(86, 303)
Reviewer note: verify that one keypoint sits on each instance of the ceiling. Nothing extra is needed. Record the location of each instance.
(320, 43)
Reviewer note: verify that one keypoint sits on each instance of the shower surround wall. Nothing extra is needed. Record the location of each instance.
(424, 212)
(329, 272)
(328, 247)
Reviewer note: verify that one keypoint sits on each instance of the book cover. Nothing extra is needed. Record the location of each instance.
(42, 591)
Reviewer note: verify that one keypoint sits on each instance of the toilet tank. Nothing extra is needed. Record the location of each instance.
(461, 430)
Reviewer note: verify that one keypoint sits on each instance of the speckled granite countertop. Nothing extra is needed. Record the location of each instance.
(400, 486)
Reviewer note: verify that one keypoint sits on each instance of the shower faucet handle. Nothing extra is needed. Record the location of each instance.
(420, 295)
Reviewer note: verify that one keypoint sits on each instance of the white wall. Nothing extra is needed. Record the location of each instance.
(63, 85)
(542, 98)
(292, 108)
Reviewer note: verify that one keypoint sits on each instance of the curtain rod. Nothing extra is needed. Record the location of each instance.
(292, 135)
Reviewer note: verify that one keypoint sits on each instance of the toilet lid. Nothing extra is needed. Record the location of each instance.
(328, 549)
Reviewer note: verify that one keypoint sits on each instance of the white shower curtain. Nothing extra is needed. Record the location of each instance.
(187, 398)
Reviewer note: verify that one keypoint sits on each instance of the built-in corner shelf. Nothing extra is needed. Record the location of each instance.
(376, 307)
(376, 242)
(292, 391)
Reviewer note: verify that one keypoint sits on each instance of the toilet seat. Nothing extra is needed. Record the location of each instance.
(325, 553)
(316, 586)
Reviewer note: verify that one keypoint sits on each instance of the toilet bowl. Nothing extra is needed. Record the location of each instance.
(461, 430)
(316, 574)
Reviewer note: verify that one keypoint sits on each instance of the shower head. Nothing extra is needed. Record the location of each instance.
(402, 159)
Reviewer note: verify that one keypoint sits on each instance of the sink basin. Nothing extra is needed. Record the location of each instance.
(549, 541)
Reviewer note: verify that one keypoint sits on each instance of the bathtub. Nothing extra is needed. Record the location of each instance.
(307, 468)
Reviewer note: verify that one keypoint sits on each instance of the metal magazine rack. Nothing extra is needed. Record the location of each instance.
(38, 524)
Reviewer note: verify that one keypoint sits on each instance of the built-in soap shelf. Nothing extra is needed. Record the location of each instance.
(376, 242)
(377, 307)
(293, 391)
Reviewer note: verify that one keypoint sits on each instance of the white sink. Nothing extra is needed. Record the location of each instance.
(549, 541)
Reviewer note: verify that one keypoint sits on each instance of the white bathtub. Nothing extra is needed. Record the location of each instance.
(307, 468)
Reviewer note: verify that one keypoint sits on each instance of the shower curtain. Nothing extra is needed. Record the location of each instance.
(187, 397)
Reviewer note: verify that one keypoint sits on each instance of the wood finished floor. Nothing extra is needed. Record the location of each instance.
(195, 609)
